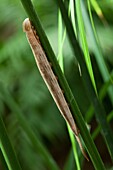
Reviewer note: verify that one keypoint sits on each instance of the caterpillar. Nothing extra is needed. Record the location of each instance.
(50, 79)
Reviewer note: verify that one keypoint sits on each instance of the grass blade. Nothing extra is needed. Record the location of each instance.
(84, 41)
(96, 48)
(101, 118)
(98, 10)
(61, 38)
(38, 146)
(7, 149)
(102, 94)
(98, 164)
(98, 129)
(2, 161)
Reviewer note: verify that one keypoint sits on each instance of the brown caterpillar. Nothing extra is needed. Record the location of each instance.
(50, 78)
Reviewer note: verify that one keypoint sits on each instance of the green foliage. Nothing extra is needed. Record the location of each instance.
(19, 75)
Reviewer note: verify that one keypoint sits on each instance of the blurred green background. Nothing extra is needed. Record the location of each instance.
(19, 73)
